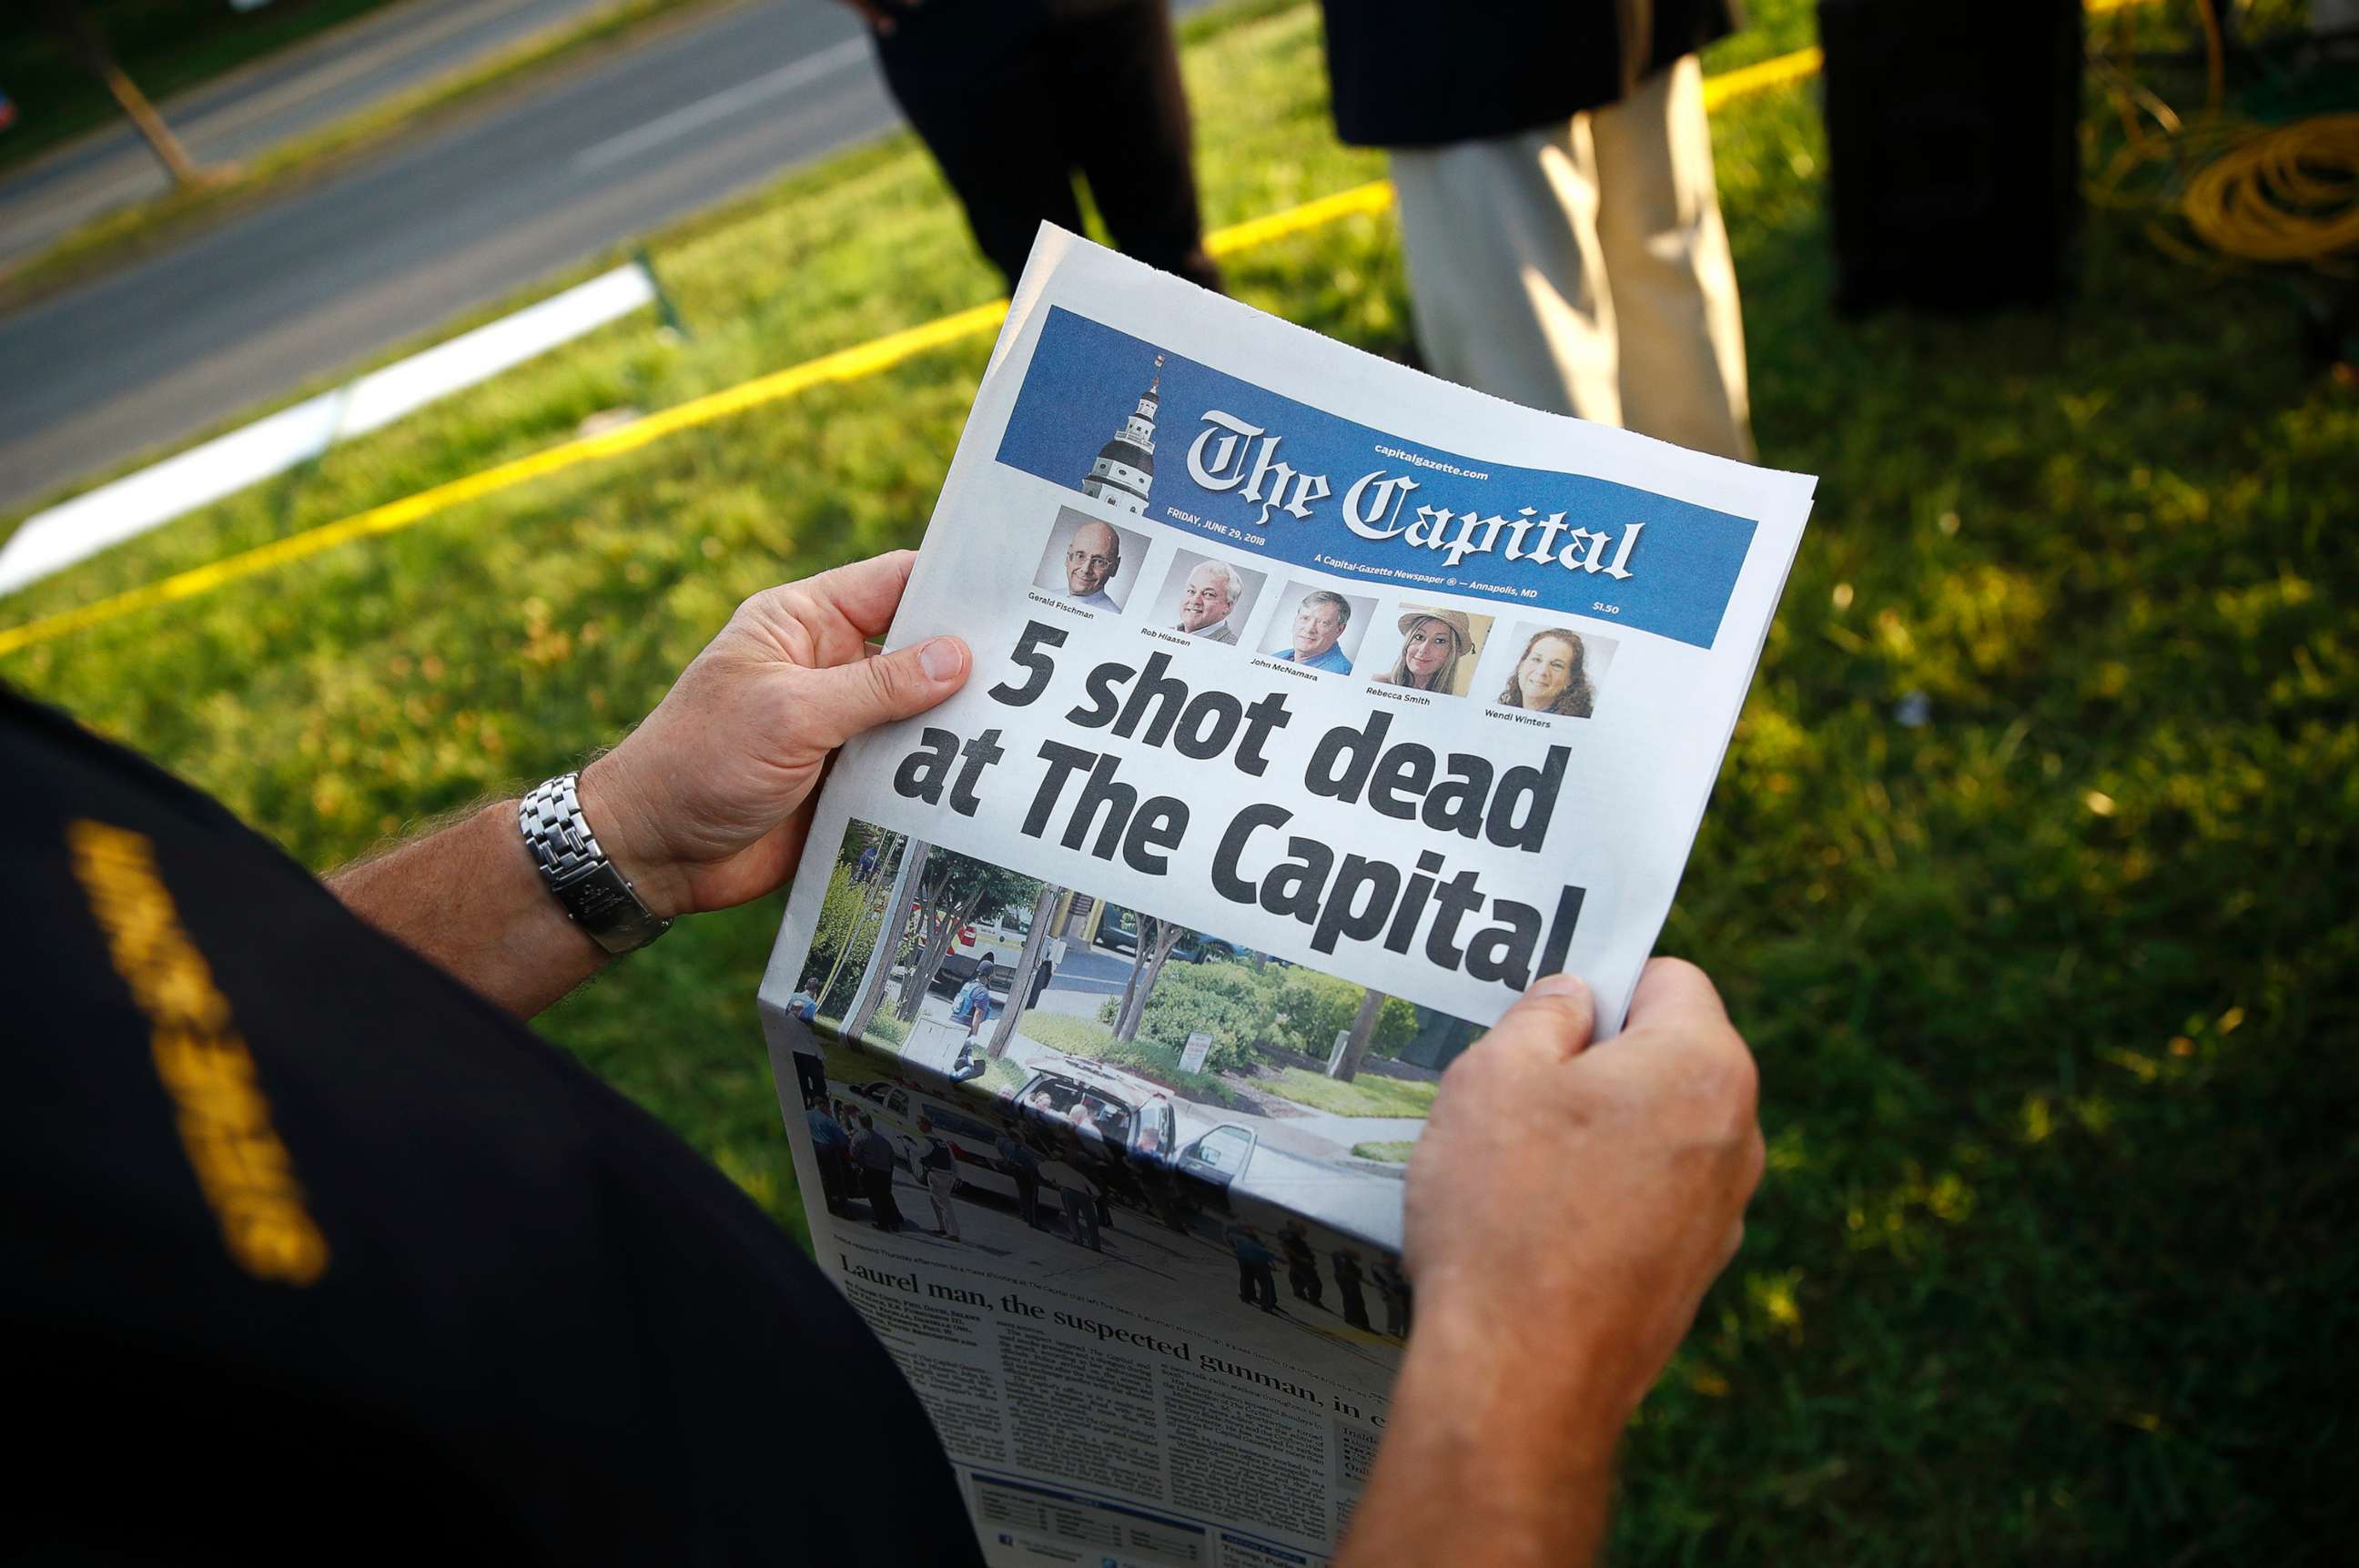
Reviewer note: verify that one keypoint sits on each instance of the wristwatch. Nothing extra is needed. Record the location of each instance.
(597, 897)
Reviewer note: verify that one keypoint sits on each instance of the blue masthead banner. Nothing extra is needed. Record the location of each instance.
(1265, 473)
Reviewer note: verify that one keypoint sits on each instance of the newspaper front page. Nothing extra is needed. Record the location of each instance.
(1318, 707)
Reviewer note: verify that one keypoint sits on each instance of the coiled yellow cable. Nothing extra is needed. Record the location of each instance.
(2286, 195)
(2249, 194)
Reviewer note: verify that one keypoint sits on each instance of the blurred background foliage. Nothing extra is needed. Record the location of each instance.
(2029, 874)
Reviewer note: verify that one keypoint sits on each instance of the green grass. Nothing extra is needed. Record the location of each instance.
(1386, 1153)
(1156, 1063)
(1003, 1077)
(2053, 994)
(884, 1025)
(1366, 1096)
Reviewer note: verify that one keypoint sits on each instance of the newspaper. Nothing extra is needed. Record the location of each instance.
(1318, 707)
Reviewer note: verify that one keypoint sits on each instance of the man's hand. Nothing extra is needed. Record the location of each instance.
(705, 807)
(1602, 1185)
(706, 804)
(1567, 1204)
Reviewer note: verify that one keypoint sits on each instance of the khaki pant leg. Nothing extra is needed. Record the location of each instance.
(1673, 280)
(939, 1186)
(1506, 279)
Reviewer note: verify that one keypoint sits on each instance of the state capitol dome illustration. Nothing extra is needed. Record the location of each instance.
(1125, 469)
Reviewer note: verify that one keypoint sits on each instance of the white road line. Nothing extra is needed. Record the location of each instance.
(681, 122)
(73, 530)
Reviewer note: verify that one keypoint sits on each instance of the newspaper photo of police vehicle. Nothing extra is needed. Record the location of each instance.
(1317, 708)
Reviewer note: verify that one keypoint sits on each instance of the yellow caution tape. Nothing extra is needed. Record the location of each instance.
(846, 364)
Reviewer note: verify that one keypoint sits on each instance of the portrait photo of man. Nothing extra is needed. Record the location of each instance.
(1320, 630)
(1207, 598)
(1090, 561)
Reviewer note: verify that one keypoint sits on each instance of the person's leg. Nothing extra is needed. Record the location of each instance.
(1673, 280)
(1505, 279)
(1245, 1283)
(975, 83)
(1123, 120)
(939, 1184)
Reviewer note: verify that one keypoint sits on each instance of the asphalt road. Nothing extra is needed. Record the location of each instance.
(377, 57)
(399, 244)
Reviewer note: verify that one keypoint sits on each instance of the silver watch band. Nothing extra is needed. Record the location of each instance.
(597, 897)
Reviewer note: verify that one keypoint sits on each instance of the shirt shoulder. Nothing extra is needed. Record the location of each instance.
(491, 1240)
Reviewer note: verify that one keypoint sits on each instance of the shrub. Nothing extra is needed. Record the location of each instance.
(1317, 1007)
(845, 918)
(1230, 1002)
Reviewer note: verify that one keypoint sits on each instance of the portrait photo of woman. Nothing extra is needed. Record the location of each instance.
(1556, 673)
(1438, 650)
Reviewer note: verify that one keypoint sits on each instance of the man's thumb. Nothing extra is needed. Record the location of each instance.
(850, 698)
(1553, 1020)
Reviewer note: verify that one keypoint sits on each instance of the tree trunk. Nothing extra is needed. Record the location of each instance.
(1036, 939)
(927, 921)
(1127, 1028)
(91, 45)
(1363, 1029)
(877, 887)
(888, 940)
(1160, 937)
(929, 962)
(1130, 983)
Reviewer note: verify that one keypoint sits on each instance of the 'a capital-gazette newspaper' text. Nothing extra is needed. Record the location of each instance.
(1318, 707)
